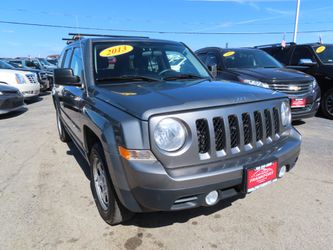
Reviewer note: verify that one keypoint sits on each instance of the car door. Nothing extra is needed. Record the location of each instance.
(72, 97)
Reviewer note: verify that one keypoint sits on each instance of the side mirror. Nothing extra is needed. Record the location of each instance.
(213, 69)
(306, 62)
(66, 77)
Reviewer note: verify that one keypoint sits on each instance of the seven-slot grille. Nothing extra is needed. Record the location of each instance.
(292, 88)
(31, 78)
(247, 129)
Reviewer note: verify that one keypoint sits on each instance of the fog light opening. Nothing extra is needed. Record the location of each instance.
(211, 198)
(282, 171)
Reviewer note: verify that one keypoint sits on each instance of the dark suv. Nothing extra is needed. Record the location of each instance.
(255, 67)
(315, 59)
(163, 139)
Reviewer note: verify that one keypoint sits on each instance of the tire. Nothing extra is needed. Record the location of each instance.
(107, 202)
(327, 104)
(63, 135)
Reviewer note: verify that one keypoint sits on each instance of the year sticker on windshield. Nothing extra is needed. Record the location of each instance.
(320, 49)
(116, 50)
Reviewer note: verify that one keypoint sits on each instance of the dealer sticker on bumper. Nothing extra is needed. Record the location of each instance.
(261, 176)
(298, 103)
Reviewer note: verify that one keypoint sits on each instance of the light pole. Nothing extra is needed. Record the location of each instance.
(296, 20)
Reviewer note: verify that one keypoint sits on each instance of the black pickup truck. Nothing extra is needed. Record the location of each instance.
(159, 137)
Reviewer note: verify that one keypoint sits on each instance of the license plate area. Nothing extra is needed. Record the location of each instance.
(260, 176)
(298, 103)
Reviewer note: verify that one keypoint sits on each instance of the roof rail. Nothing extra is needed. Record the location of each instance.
(274, 45)
(78, 36)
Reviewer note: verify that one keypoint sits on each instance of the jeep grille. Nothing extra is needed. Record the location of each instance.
(241, 130)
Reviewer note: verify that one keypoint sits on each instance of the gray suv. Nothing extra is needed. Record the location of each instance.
(162, 138)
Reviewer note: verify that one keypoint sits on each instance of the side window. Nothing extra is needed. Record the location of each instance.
(76, 63)
(67, 58)
(202, 57)
(301, 53)
(280, 54)
(61, 58)
(212, 58)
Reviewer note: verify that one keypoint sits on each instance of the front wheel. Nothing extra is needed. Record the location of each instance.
(327, 104)
(63, 135)
(107, 202)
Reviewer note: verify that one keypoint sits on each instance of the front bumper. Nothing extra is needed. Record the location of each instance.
(156, 188)
(29, 90)
(311, 107)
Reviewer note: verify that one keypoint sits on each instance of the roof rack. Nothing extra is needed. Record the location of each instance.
(103, 35)
(78, 36)
(274, 45)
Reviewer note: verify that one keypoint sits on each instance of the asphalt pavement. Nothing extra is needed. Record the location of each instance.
(46, 201)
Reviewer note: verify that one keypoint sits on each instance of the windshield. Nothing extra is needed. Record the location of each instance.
(145, 61)
(324, 52)
(249, 59)
(4, 65)
(44, 62)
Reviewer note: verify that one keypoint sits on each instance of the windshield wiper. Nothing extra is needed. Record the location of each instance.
(183, 76)
(129, 78)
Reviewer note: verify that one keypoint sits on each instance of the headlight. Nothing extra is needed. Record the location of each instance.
(285, 114)
(314, 84)
(255, 83)
(20, 79)
(169, 134)
(1, 93)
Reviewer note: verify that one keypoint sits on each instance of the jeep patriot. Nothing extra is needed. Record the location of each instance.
(163, 136)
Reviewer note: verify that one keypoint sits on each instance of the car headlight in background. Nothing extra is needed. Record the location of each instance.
(255, 83)
(314, 84)
(1, 93)
(169, 135)
(20, 79)
(285, 114)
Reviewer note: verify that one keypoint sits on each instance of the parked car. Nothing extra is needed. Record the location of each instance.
(24, 81)
(315, 59)
(41, 75)
(158, 139)
(11, 99)
(36, 63)
(255, 67)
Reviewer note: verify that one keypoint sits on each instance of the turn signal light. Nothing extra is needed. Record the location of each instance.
(136, 154)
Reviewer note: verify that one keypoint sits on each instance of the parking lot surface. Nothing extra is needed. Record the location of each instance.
(46, 201)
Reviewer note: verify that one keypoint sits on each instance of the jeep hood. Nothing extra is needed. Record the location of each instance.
(144, 99)
(271, 75)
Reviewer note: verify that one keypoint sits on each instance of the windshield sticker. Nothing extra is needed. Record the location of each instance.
(116, 50)
(320, 49)
(229, 53)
